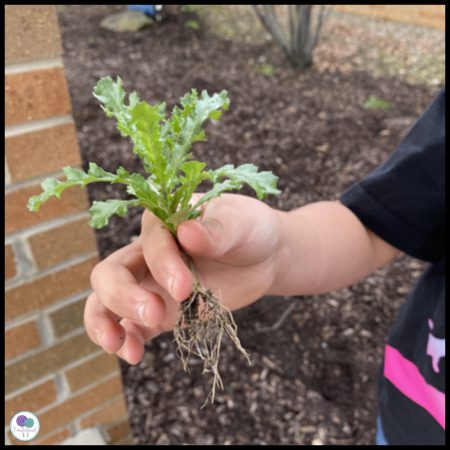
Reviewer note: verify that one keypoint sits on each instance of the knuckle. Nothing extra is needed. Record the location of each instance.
(87, 319)
(96, 274)
(160, 271)
(148, 221)
(113, 299)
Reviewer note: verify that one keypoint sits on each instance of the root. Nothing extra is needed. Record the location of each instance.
(201, 325)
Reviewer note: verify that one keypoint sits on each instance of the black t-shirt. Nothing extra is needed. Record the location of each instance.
(403, 202)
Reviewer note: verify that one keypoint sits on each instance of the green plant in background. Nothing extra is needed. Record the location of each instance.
(265, 69)
(164, 147)
(192, 24)
(374, 102)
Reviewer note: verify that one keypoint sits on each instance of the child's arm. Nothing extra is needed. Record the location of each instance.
(325, 247)
(242, 248)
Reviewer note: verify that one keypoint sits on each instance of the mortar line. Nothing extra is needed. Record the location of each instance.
(48, 309)
(32, 182)
(52, 376)
(73, 334)
(44, 226)
(62, 386)
(29, 386)
(53, 269)
(37, 64)
(37, 125)
(25, 259)
(45, 330)
(80, 392)
(7, 174)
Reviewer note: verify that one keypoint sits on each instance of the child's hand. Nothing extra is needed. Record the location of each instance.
(137, 289)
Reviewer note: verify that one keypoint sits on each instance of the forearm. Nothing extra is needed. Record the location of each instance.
(323, 247)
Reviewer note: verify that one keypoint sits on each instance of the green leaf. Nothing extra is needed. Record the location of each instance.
(265, 69)
(374, 102)
(74, 174)
(112, 95)
(96, 171)
(146, 137)
(194, 175)
(219, 188)
(140, 188)
(192, 170)
(185, 127)
(137, 120)
(263, 183)
(164, 147)
(102, 211)
(193, 24)
(51, 188)
(137, 185)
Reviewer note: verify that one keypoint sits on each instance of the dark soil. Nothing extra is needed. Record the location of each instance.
(313, 379)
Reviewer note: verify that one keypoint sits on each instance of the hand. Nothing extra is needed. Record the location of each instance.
(137, 289)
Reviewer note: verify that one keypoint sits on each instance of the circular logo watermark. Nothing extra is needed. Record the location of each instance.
(25, 426)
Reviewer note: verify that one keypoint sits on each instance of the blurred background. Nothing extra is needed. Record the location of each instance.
(320, 95)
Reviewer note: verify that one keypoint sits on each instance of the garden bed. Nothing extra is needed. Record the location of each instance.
(313, 379)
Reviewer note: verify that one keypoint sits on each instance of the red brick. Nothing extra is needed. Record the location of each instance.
(54, 438)
(18, 216)
(35, 95)
(72, 408)
(111, 412)
(41, 152)
(47, 290)
(62, 243)
(21, 339)
(118, 432)
(10, 263)
(31, 400)
(68, 318)
(90, 371)
(47, 362)
(31, 32)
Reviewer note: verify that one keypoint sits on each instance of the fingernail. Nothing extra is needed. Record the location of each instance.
(171, 285)
(141, 311)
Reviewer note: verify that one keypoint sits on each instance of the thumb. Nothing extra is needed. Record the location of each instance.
(208, 238)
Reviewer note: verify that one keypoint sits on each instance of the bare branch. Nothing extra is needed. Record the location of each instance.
(299, 38)
(290, 9)
(270, 22)
(324, 12)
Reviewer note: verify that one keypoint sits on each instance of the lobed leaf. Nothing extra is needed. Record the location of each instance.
(164, 147)
(101, 212)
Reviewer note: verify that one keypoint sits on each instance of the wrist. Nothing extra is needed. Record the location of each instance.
(281, 258)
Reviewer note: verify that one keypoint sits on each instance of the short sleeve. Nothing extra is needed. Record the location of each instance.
(403, 199)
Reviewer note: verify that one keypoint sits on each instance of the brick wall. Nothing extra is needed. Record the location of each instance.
(52, 368)
(424, 15)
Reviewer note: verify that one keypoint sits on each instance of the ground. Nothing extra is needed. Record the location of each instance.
(313, 378)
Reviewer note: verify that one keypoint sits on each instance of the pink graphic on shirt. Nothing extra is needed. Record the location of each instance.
(405, 376)
(435, 348)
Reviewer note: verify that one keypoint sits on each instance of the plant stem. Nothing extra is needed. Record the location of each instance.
(192, 268)
(201, 325)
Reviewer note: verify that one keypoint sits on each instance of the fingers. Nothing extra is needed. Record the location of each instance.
(218, 232)
(115, 282)
(102, 325)
(126, 338)
(133, 348)
(164, 259)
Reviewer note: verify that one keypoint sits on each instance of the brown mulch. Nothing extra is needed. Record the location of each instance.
(313, 379)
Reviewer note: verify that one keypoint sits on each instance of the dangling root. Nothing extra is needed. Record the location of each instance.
(202, 323)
